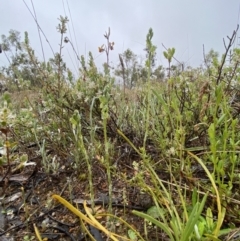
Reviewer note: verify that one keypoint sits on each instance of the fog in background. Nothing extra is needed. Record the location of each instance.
(183, 24)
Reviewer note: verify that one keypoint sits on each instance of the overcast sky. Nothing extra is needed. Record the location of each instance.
(183, 24)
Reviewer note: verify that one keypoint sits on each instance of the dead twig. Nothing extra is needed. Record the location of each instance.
(227, 48)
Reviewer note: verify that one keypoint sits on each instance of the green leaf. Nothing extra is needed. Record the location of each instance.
(194, 196)
(132, 235)
(201, 226)
(165, 54)
(193, 218)
(155, 212)
(209, 219)
(161, 225)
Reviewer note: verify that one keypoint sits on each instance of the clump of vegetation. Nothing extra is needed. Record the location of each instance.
(163, 146)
